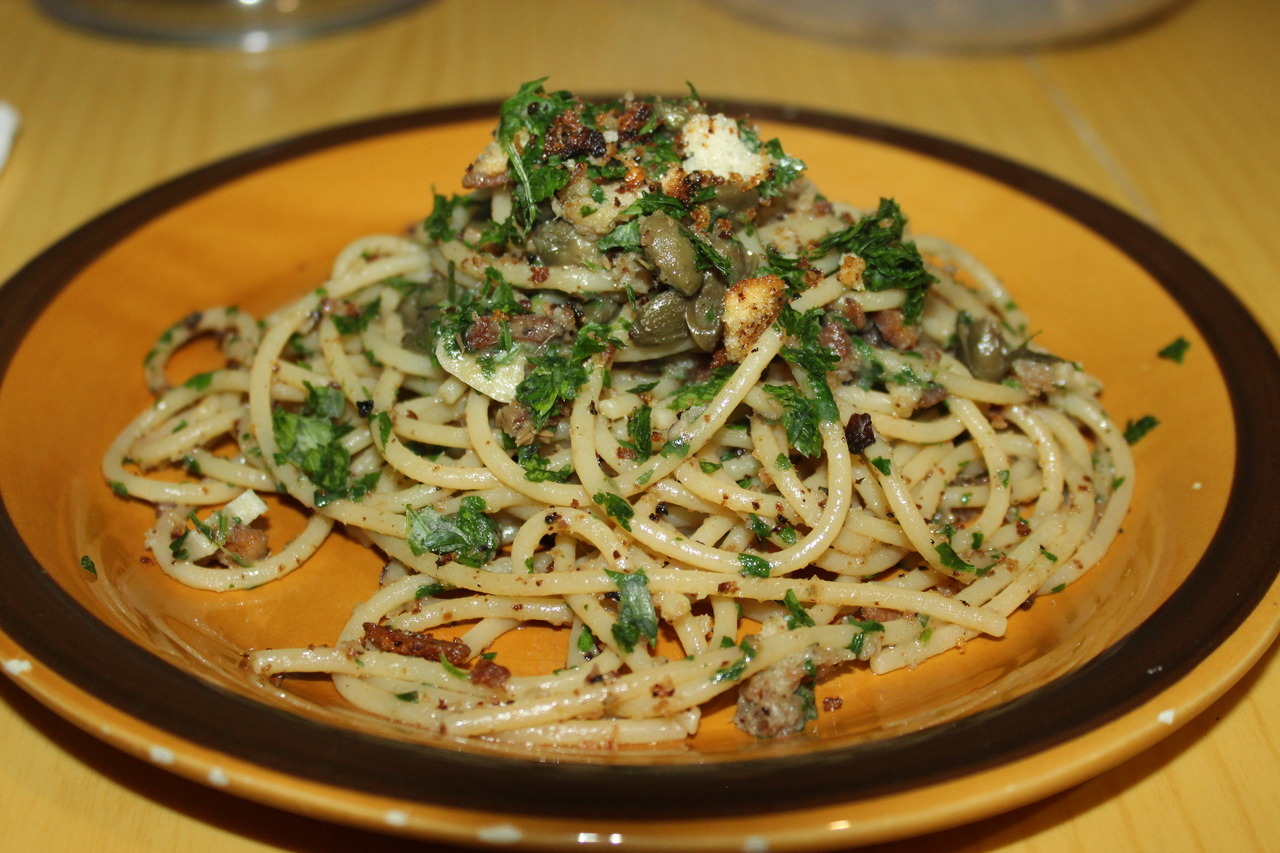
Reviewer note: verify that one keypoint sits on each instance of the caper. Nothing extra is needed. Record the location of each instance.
(419, 309)
(661, 320)
(982, 348)
(558, 243)
(671, 252)
(600, 309)
(741, 264)
(734, 198)
(672, 114)
(704, 313)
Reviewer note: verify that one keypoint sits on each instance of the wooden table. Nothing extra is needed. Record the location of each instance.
(1176, 122)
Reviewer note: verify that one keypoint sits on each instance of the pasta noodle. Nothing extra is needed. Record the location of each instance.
(644, 387)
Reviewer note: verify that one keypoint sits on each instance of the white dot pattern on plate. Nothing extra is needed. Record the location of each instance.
(217, 776)
(755, 844)
(17, 666)
(503, 833)
(396, 817)
(161, 755)
(1165, 717)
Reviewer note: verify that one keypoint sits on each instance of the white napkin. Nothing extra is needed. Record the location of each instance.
(8, 129)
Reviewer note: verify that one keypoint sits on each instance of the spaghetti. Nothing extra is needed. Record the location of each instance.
(644, 387)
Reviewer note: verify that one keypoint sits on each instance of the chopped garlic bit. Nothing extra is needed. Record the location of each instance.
(243, 510)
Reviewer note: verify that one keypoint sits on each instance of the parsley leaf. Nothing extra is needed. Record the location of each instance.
(199, 382)
(702, 393)
(553, 380)
(310, 440)
(792, 271)
(625, 237)
(891, 261)
(352, 325)
(859, 639)
(586, 641)
(734, 671)
(1176, 351)
(640, 430)
(677, 447)
(810, 355)
(636, 615)
(653, 202)
(1134, 431)
(754, 566)
(469, 535)
(797, 616)
(950, 559)
(531, 109)
(439, 225)
(800, 418)
(538, 470)
(785, 169)
(594, 338)
(617, 508)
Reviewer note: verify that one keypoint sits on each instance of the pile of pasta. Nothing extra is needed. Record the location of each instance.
(813, 493)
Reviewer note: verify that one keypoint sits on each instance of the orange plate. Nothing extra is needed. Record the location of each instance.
(1083, 680)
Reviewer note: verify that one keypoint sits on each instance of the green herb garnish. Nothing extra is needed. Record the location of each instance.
(470, 536)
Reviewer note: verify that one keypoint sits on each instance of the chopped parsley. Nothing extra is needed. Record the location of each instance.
(640, 432)
(311, 440)
(617, 508)
(949, 558)
(677, 447)
(754, 566)
(428, 590)
(797, 616)
(799, 418)
(636, 615)
(531, 109)
(1176, 351)
(86, 563)
(859, 640)
(1135, 431)
(439, 225)
(352, 325)
(811, 356)
(884, 466)
(734, 671)
(470, 536)
(199, 382)
(380, 423)
(702, 393)
(891, 261)
(538, 470)
(553, 380)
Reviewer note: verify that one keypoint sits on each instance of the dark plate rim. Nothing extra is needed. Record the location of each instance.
(36, 614)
